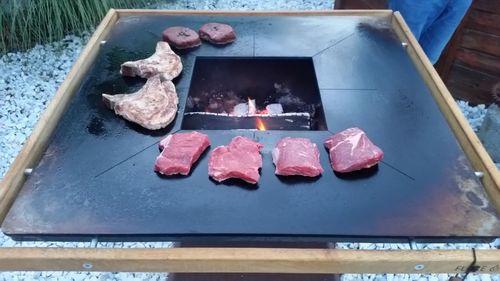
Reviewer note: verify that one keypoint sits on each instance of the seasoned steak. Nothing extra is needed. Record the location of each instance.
(153, 107)
(240, 159)
(181, 37)
(164, 61)
(296, 156)
(217, 33)
(179, 152)
(351, 150)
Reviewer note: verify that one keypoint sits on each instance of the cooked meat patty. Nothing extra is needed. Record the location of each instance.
(296, 156)
(181, 37)
(153, 107)
(351, 150)
(240, 159)
(217, 33)
(179, 152)
(164, 61)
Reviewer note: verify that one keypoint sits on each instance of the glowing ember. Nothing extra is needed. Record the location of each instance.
(260, 125)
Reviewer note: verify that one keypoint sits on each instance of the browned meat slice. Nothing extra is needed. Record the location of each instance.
(153, 107)
(181, 37)
(217, 33)
(164, 61)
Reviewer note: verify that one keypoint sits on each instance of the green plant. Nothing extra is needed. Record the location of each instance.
(24, 23)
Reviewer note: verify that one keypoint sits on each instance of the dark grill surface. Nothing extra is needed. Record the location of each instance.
(96, 177)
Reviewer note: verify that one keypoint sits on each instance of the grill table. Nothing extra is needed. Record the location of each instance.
(460, 209)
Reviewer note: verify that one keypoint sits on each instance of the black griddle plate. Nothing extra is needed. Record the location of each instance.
(96, 177)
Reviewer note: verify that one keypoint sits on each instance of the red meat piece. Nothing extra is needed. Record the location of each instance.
(179, 152)
(297, 156)
(351, 150)
(240, 159)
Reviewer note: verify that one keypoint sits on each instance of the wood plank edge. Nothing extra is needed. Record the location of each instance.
(251, 260)
(470, 143)
(36, 143)
(150, 12)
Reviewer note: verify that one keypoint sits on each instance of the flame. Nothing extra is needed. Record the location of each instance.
(260, 125)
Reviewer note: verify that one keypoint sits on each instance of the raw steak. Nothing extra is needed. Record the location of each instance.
(179, 152)
(181, 37)
(297, 156)
(164, 61)
(351, 150)
(240, 159)
(217, 33)
(153, 107)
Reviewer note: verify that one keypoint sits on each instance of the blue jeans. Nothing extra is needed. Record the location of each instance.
(432, 22)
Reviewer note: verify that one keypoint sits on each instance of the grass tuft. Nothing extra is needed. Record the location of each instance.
(26, 23)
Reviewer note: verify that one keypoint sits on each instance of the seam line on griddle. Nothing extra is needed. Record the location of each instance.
(254, 43)
(131, 156)
(398, 170)
(347, 89)
(335, 44)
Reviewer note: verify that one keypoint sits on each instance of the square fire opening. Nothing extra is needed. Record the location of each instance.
(254, 93)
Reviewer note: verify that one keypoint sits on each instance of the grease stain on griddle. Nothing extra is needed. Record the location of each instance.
(96, 126)
(474, 199)
(154, 133)
(119, 55)
(378, 28)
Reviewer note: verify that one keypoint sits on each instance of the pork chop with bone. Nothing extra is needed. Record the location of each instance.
(164, 61)
(153, 107)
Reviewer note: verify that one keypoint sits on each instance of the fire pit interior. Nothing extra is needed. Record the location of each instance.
(263, 93)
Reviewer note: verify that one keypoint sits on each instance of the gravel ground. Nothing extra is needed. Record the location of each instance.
(29, 79)
(475, 114)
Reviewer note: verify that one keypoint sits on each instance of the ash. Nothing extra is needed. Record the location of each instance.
(227, 102)
(214, 102)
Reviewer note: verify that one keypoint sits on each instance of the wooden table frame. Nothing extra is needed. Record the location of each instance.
(251, 260)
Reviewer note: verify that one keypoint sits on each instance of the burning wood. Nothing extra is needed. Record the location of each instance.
(221, 121)
(250, 109)
(274, 109)
(240, 109)
(246, 115)
(289, 114)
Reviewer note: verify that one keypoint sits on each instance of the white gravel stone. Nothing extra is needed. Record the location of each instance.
(474, 114)
(249, 5)
(29, 79)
